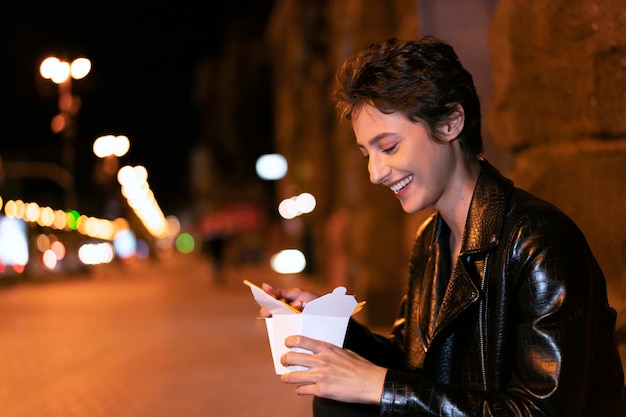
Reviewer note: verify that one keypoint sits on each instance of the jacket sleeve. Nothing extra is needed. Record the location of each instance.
(384, 351)
(557, 330)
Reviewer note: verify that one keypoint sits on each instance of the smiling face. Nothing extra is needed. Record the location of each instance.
(402, 156)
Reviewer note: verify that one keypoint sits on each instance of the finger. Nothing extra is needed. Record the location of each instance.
(298, 304)
(306, 360)
(307, 343)
(290, 294)
(269, 289)
(296, 377)
(307, 389)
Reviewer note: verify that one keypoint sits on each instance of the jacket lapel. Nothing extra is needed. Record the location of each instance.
(482, 232)
(445, 295)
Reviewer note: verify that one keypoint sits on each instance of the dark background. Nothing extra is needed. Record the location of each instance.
(143, 60)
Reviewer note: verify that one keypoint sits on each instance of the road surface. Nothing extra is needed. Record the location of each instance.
(156, 339)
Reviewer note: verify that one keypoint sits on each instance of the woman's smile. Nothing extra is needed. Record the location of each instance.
(401, 185)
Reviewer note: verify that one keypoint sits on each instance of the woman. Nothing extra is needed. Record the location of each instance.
(505, 311)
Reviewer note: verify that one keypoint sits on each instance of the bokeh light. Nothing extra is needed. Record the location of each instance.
(109, 145)
(271, 166)
(96, 253)
(135, 188)
(58, 248)
(125, 244)
(296, 206)
(288, 261)
(185, 243)
(13, 242)
(60, 220)
(58, 71)
(49, 260)
(72, 219)
(79, 68)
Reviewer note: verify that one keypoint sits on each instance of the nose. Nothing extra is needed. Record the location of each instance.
(378, 170)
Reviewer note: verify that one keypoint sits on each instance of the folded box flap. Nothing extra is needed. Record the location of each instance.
(335, 304)
(268, 302)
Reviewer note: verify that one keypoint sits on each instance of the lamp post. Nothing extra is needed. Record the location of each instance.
(62, 73)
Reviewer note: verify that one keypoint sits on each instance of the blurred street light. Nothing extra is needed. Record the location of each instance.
(109, 149)
(296, 206)
(62, 73)
(271, 166)
(110, 145)
(54, 69)
(140, 198)
(288, 261)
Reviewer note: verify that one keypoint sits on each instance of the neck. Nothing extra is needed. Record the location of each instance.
(454, 207)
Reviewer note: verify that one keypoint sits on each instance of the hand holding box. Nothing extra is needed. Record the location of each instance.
(325, 318)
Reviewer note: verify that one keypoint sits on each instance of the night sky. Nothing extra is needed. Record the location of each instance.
(140, 85)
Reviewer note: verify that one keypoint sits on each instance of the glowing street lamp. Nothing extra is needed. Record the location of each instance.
(109, 148)
(62, 73)
(110, 145)
(52, 68)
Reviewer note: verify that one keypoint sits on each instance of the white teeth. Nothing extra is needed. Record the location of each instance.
(397, 187)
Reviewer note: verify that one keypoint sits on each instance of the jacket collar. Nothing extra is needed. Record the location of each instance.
(482, 232)
(487, 210)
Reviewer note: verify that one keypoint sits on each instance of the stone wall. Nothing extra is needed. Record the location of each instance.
(559, 105)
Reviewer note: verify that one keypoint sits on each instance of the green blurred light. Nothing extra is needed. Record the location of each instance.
(185, 243)
(72, 219)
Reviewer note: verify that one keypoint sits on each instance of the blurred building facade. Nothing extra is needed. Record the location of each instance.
(552, 80)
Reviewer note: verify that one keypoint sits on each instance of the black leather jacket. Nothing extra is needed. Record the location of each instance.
(522, 327)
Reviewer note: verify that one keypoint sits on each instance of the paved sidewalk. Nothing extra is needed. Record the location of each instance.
(153, 340)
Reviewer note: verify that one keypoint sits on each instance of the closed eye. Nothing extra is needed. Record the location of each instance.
(390, 149)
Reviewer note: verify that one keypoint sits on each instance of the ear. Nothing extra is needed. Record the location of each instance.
(451, 128)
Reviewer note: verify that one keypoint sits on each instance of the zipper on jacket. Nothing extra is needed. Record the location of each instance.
(481, 324)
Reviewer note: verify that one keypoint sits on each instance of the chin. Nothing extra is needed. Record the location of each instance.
(411, 206)
(409, 209)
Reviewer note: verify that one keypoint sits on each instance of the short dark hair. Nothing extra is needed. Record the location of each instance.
(423, 80)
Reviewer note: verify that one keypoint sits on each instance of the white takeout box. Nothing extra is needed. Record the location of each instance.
(325, 318)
